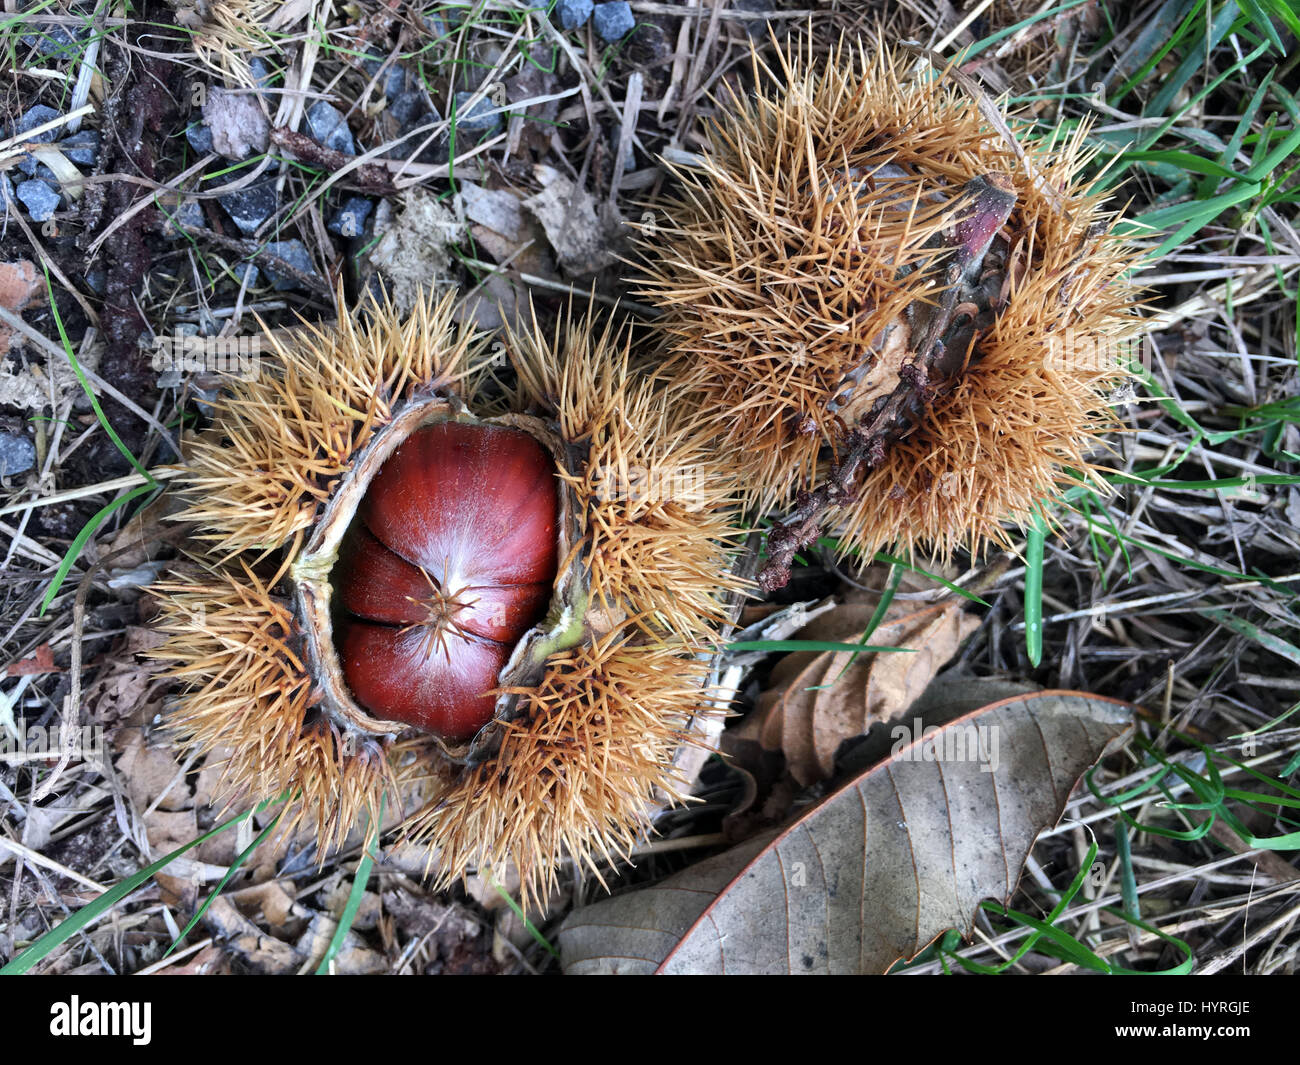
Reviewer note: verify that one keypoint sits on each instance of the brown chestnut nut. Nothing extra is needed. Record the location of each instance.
(451, 560)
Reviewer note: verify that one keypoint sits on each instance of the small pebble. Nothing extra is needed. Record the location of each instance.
(573, 13)
(251, 206)
(17, 454)
(200, 137)
(97, 279)
(261, 71)
(81, 147)
(326, 125)
(33, 117)
(350, 219)
(294, 252)
(614, 21)
(394, 79)
(410, 112)
(476, 119)
(189, 213)
(246, 270)
(408, 109)
(40, 200)
(51, 40)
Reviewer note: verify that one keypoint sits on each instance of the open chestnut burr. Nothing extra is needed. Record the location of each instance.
(406, 585)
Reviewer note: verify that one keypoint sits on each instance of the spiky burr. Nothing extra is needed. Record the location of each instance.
(332, 478)
(903, 325)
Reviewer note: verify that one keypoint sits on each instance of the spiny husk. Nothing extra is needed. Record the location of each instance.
(580, 771)
(228, 33)
(791, 262)
(282, 439)
(606, 717)
(234, 645)
(657, 503)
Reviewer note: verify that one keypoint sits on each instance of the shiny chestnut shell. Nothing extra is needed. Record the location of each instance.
(451, 559)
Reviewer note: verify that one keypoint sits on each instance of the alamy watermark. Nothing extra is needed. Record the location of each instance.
(238, 357)
(39, 743)
(687, 484)
(965, 742)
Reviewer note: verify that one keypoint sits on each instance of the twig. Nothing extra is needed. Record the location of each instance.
(371, 178)
(251, 249)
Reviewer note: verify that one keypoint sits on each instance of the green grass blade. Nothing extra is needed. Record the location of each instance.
(221, 884)
(63, 931)
(1035, 537)
(79, 542)
(359, 882)
(90, 392)
(518, 912)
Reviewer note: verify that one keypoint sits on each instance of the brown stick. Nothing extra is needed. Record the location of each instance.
(369, 178)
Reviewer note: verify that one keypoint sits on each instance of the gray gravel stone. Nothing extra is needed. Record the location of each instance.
(573, 13)
(261, 71)
(33, 117)
(294, 252)
(326, 125)
(394, 81)
(40, 200)
(350, 219)
(250, 206)
(475, 119)
(81, 148)
(17, 454)
(189, 213)
(613, 22)
(408, 109)
(52, 40)
(200, 137)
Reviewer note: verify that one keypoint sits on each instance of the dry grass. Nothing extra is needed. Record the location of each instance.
(1170, 583)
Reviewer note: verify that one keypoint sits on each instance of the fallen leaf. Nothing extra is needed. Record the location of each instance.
(41, 662)
(260, 952)
(497, 209)
(20, 283)
(826, 698)
(878, 869)
(580, 232)
(896, 681)
(151, 774)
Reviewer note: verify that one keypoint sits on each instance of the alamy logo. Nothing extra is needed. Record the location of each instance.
(41, 744)
(965, 742)
(237, 356)
(79, 1018)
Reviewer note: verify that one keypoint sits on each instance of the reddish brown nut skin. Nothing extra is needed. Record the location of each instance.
(451, 560)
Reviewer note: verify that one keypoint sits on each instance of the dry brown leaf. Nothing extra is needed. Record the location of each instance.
(574, 223)
(880, 868)
(41, 662)
(896, 681)
(826, 698)
(262, 953)
(151, 772)
(238, 125)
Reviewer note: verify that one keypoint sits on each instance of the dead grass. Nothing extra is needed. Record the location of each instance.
(1176, 591)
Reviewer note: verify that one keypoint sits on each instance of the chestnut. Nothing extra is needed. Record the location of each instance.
(449, 562)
